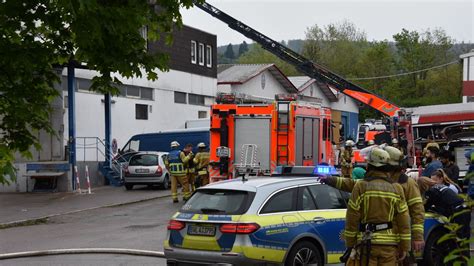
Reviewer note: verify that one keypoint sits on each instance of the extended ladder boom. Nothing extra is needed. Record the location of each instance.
(304, 65)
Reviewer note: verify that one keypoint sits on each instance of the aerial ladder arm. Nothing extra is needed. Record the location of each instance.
(304, 65)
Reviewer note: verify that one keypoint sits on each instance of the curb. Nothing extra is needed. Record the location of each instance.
(44, 219)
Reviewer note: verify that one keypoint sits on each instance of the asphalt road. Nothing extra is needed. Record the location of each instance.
(135, 226)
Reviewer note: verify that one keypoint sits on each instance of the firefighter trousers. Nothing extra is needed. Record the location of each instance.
(203, 180)
(192, 181)
(183, 180)
(380, 255)
(346, 171)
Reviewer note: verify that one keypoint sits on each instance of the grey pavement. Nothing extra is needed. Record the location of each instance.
(24, 206)
(136, 226)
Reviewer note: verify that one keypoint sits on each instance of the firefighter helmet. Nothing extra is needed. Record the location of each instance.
(201, 145)
(349, 143)
(370, 142)
(174, 144)
(378, 157)
(396, 156)
(394, 141)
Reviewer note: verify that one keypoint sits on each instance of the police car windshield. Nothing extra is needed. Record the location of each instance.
(214, 201)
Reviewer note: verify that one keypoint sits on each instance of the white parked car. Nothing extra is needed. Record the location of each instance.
(147, 168)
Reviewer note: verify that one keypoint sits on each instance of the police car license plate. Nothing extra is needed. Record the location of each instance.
(202, 230)
(142, 171)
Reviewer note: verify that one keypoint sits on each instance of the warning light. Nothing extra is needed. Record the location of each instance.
(324, 170)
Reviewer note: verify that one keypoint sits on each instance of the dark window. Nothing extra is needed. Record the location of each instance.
(144, 160)
(325, 129)
(179, 97)
(193, 52)
(141, 111)
(84, 84)
(307, 200)
(283, 201)
(327, 197)
(202, 114)
(123, 90)
(146, 93)
(208, 56)
(201, 54)
(196, 99)
(133, 91)
(214, 201)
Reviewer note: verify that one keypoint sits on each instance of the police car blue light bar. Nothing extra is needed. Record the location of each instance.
(325, 170)
(304, 170)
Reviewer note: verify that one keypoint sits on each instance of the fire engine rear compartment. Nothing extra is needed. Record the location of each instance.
(253, 130)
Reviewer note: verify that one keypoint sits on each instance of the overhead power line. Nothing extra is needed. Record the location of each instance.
(406, 73)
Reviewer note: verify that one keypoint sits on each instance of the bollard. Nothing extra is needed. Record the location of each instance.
(77, 180)
(88, 181)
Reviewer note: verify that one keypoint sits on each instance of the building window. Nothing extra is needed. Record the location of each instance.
(193, 52)
(146, 93)
(133, 91)
(196, 99)
(208, 56)
(141, 111)
(179, 97)
(66, 101)
(202, 114)
(201, 54)
(83, 84)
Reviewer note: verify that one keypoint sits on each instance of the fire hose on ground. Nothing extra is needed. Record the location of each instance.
(75, 251)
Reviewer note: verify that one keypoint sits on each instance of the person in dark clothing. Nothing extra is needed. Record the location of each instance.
(449, 167)
(442, 200)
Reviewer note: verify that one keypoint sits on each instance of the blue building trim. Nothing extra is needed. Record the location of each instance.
(350, 121)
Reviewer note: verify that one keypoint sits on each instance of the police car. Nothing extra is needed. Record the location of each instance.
(292, 219)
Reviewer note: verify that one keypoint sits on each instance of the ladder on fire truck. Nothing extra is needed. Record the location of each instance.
(283, 125)
(311, 69)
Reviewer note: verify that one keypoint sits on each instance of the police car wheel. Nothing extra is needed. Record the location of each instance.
(304, 253)
(434, 252)
(128, 186)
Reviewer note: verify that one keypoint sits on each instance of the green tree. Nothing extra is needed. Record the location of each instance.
(337, 46)
(38, 36)
(229, 52)
(243, 48)
(257, 55)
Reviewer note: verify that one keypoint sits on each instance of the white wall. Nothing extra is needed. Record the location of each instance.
(345, 103)
(254, 86)
(164, 113)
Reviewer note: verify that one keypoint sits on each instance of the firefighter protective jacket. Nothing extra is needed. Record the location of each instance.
(174, 162)
(345, 160)
(410, 191)
(376, 200)
(201, 160)
(414, 203)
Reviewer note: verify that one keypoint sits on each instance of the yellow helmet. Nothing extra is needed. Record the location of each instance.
(349, 143)
(378, 157)
(396, 156)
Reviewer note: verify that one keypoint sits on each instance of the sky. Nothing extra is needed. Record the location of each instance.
(380, 20)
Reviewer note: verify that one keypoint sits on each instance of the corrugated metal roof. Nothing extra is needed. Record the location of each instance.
(241, 73)
(441, 108)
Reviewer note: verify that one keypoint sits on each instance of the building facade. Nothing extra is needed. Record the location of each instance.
(468, 77)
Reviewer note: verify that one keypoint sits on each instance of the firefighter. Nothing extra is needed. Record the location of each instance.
(412, 197)
(346, 158)
(174, 164)
(377, 229)
(189, 166)
(201, 160)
